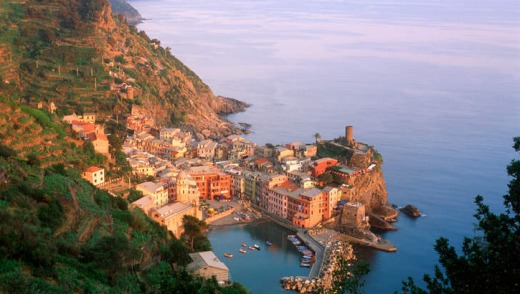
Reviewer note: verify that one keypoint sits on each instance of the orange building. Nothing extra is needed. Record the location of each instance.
(318, 167)
(211, 181)
(311, 208)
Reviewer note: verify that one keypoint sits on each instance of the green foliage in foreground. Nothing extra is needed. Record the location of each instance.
(59, 234)
(489, 263)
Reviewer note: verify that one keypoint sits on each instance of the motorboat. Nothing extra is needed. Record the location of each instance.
(251, 248)
(244, 244)
(256, 247)
(228, 255)
(242, 250)
(268, 243)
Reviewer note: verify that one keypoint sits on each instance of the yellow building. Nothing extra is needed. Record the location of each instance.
(155, 191)
(95, 175)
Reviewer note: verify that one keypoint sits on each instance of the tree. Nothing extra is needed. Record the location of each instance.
(347, 278)
(317, 136)
(488, 263)
(194, 233)
(326, 178)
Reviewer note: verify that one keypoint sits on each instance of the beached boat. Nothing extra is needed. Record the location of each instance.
(244, 244)
(228, 255)
(237, 219)
(242, 250)
(268, 243)
(256, 247)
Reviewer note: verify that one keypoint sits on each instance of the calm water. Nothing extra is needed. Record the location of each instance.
(264, 267)
(434, 85)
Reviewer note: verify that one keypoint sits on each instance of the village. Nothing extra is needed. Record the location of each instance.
(233, 180)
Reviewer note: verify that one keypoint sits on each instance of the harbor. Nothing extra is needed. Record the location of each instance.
(306, 258)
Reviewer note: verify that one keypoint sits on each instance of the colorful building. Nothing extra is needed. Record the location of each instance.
(211, 181)
(156, 191)
(319, 166)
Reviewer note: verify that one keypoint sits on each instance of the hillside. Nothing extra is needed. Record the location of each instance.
(76, 55)
(124, 8)
(60, 234)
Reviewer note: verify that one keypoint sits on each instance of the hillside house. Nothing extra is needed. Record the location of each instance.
(94, 175)
(207, 265)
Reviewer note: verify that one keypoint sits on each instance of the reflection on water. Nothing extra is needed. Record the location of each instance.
(433, 85)
(259, 271)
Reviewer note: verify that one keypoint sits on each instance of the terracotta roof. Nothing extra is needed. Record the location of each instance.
(262, 160)
(93, 169)
(101, 137)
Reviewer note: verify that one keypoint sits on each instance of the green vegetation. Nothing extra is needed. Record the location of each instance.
(348, 277)
(194, 234)
(60, 234)
(331, 150)
(487, 263)
(71, 52)
(44, 120)
(317, 136)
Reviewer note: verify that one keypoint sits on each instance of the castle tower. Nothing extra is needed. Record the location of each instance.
(349, 136)
(187, 191)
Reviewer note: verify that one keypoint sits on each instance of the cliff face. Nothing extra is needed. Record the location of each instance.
(85, 60)
(369, 189)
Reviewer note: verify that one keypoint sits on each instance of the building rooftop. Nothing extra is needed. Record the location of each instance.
(203, 259)
(343, 169)
(150, 187)
(204, 169)
(311, 193)
(93, 169)
(142, 202)
(292, 191)
(172, 209)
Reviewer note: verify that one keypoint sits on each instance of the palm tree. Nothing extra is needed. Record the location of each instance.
(317, 136)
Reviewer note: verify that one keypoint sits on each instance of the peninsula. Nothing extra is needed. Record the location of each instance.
(90, 107)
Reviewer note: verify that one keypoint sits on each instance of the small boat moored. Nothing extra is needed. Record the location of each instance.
(256, 247)
(268, 243)
(228, 255)
(244, 244)
(242, 250)
(251, 248)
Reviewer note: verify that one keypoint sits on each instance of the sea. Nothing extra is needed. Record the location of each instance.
(434, 86)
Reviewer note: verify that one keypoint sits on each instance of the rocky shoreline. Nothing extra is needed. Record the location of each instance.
(333, 252)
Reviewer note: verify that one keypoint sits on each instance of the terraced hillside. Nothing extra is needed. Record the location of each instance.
(60, 234)
(78, 56)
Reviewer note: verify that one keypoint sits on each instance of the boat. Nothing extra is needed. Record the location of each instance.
(305, 264)
(228, 255)
(242, 250)
(237, 219)
(268, 243)
(244, 244)
(251, 248)
(256, 247)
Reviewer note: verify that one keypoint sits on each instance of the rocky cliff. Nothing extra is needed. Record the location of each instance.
(77, 55)
(368, 188)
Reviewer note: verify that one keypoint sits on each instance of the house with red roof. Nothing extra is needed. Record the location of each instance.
(94, 175)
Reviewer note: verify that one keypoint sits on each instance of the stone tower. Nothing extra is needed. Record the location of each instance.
(349, 136)
(187, 191)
